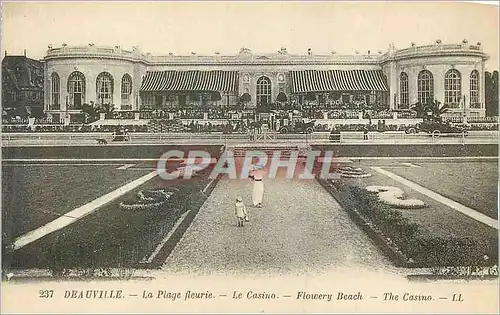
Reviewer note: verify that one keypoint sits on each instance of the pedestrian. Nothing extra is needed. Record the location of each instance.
(240, 211)
(365, 132)
(257, 175)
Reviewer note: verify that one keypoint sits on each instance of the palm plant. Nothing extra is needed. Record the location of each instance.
(420, 108)
(89, 111)
(438, 110)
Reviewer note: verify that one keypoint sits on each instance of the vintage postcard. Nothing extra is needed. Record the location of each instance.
(249, 157)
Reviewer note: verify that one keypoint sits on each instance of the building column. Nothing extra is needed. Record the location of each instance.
(482, 90)
(393, 85)
(47, 88)
(64, 96)
(413, 86)
(465, 104)
(439, 85)
(90, 90)
(117, 99)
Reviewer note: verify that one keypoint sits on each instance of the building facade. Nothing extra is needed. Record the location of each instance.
(22, 85)
(452, 74)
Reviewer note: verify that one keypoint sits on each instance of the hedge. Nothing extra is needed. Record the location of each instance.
(409, 242)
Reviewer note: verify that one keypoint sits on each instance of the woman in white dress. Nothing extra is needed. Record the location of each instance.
(257, 175)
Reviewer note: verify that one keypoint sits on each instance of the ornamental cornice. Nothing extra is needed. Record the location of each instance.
(435, 54)
(264, 60)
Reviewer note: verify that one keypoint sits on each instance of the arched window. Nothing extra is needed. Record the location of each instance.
(126, 89)
(403, 91)
(104, 88)
(474, 89)
(76, 90)
(55, 101)
(452, 88)
(263, 91)
(425, 86)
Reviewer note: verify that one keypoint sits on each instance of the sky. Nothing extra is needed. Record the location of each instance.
(264, 27)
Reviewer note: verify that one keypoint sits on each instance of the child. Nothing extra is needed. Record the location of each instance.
(240, 211)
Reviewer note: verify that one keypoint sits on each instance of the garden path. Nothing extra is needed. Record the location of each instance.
(300, 229)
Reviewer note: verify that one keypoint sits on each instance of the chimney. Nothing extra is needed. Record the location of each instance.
(25, 53)
(5, 52)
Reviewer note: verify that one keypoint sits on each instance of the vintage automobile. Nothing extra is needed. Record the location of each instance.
(299, 125)
(121, 135)
(436, 128)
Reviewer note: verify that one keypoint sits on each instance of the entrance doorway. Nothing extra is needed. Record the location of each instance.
(263, 91)
(182, 100)
(77, 98)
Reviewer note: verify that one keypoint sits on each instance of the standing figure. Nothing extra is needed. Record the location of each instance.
(257, 175)
(240, 211)
(365, 132)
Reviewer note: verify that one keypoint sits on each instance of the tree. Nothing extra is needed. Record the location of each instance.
(420, 109)
(437, 110)
(215, 97)
(90, 112)
(310, 96)
(491, 93)
(106, 108)
(37, 112)
(245, 98)
(281, 97)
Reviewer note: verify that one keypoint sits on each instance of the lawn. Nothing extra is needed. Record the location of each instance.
(443, 231)
(112, 237)
(33, 195)
(437, 219)
(473, 184)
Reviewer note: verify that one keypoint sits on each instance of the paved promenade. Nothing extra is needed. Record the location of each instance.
(300, 229)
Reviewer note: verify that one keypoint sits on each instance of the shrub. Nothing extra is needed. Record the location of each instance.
(423, 249)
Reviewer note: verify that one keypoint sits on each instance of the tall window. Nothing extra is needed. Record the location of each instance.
(452, 88)
(263, 91)
(474, 89)
(147, 98)
(403, 91)
(425, 86)
(126, 90)
(76, 90)
(55, 92)
(104, 89)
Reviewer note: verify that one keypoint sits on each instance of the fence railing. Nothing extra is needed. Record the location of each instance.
(388, 137)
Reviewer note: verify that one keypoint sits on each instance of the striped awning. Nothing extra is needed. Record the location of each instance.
(337, 80)
(156, 81)
(194, 80)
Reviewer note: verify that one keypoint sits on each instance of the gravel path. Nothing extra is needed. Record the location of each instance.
(300, 229)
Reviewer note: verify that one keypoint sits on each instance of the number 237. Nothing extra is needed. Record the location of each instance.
(46, 294)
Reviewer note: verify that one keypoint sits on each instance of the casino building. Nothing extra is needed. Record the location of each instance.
(452, 74)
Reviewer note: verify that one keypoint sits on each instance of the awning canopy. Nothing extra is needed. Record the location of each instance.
(194, 80)
(337, 80)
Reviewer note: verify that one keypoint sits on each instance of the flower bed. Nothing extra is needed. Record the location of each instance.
(407, 243)
(148, 200)
(353, 172)
(395, 197)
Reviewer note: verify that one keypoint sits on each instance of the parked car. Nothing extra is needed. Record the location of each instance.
(334, 135)
(436, 128)
(121, 135)
(298, 126)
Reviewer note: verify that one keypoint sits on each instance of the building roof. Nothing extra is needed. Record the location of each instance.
(247, 57)
(23, 72)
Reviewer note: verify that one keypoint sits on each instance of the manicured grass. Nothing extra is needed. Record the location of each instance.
(426, 150)
(437, 224)
(437, 219)
(111, 237)
(473, 184)
(33, 195)
(93, 152)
